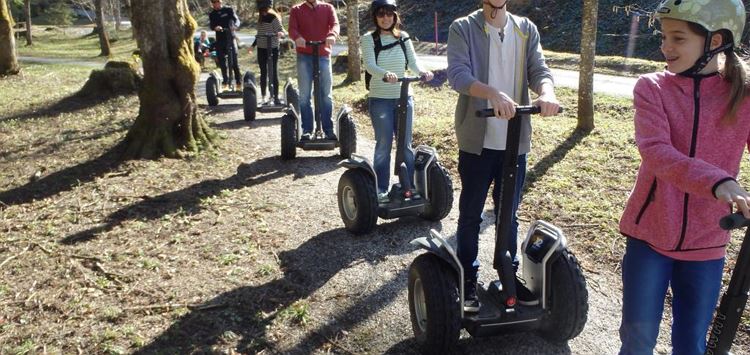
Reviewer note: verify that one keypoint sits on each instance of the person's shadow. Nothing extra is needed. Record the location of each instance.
(248, 311)
(188, 200)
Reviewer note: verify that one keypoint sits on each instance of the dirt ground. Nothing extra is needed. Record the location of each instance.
(231, 252)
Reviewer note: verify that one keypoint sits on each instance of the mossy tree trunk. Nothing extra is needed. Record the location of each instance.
(586, 78)
(27, 15)
(8, 60)
(103, 38)
(168, 123)
(354, 72)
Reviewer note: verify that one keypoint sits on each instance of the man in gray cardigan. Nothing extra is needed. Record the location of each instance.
(494, 58)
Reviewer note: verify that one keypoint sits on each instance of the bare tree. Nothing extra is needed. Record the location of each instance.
(8, 61)
(103, 38)
(115, 5)
(27, 14)
(354, 72)
(168, 123)
(586, 78)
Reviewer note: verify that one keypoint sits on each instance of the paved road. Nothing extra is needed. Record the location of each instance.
(607, 84)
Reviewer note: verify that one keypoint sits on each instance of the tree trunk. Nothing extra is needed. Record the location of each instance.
(8, 61)
(354, 72)
(103, 38)
(116, 12)
(586, 78)
(27, 14)
(168, 123)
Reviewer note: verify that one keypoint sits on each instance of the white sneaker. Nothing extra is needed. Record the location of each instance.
(383, 197)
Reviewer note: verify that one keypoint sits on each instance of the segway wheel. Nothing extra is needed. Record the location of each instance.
(439, 193)
(249, 103)
(358, 202)
(568, 300)
(434, 304)
(288, 137)
(347, 137)
(212, 91)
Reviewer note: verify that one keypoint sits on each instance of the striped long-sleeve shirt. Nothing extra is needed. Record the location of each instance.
(389, 60)
(270, 24)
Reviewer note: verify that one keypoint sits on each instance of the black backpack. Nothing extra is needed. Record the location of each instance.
(380, 47)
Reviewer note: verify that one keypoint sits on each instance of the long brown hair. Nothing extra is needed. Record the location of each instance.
(734, 71)
(396, 28)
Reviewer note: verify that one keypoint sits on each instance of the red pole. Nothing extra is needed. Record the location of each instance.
(436, 34)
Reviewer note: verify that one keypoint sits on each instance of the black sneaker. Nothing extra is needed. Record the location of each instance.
(306, 136)
(331, 136)
(524, 295)
(276, 101)
(471, 301)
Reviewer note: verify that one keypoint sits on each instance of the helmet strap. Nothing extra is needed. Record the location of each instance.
(708, 55)
(493, 14)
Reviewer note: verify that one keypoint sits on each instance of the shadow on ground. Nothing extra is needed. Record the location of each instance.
(188, 200)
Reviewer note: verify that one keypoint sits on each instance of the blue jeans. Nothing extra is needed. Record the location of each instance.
(646, 275)
(385, 125)
(477, 172)
(305, 82)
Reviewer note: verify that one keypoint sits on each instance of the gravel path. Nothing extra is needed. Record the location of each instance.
(355, 287)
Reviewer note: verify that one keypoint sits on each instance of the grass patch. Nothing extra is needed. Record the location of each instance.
(77, 43)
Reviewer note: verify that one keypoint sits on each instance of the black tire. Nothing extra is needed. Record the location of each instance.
(568, 300)
(440, 193)
(249, 103)
(347, 137)
(434, 304)
(212, 91)
(358, 201)
(288, 137)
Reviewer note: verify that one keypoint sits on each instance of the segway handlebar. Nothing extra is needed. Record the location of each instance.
(407, 79)
(734, 221)
(313, 43)
(520, 110)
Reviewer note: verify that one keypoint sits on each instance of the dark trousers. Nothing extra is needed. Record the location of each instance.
(477, 172)
(263, 63)
(225, 53)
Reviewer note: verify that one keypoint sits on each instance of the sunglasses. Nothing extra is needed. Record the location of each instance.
(384, 13)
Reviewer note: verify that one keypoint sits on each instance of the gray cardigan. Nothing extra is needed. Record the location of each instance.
(468, 57)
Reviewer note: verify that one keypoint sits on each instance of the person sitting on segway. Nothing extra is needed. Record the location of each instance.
(314, 20)
(511, 44)
(269, 21)
(386, 53)
(224, 21)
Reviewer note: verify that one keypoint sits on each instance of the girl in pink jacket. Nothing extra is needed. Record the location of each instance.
(692, 124)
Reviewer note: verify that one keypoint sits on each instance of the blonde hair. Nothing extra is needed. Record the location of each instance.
(734, 71)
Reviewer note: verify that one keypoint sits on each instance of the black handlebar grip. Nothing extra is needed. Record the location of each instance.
(520, 110)
(409, 79)
(313, 43)
(733, 221)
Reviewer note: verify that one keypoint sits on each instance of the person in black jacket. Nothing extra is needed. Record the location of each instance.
(224, 21)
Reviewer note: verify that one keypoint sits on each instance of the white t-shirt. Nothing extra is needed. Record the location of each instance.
(502, 76)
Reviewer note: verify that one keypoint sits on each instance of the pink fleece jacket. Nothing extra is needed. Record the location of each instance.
(686, 152)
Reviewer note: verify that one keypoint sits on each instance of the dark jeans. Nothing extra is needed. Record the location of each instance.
(221, 52)
(477, 172)
(646, 275)
(263, 63)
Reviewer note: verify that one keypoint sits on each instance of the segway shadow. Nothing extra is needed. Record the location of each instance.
(436, 278)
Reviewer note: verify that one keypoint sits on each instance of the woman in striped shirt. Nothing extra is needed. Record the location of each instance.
(269, 21)
(394, 54)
